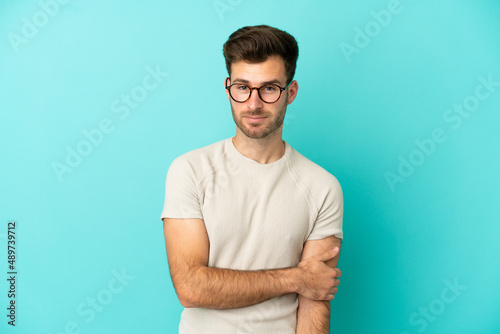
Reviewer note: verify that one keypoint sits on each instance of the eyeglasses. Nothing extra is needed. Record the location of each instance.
(268, 93)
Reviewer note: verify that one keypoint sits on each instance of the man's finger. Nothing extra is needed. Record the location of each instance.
(339, 272)
(327, 255)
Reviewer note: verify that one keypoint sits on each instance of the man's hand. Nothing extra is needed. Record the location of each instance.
(318, 280)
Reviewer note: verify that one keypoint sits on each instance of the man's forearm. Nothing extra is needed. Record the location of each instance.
(217, 288)
(313, 316)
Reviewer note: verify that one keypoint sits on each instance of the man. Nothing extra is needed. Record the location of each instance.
(252, 227)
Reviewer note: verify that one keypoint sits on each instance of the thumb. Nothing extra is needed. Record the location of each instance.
(327, 255)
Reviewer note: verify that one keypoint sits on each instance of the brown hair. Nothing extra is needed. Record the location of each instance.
(255, 44)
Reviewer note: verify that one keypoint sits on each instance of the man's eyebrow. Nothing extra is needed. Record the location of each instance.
(274, 81)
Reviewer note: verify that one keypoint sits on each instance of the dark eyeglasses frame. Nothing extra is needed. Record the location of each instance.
(258, 91)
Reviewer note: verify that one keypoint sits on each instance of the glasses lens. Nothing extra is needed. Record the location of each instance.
(239, 92)
(270, 93)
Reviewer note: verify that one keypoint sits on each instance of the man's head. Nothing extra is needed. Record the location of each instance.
(265, 57)
(256, 44)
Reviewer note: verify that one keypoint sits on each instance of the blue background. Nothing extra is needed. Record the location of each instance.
(357, 115)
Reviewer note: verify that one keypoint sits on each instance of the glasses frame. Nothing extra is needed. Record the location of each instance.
(258, 91)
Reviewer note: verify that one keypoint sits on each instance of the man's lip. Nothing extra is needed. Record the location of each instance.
(256, 117)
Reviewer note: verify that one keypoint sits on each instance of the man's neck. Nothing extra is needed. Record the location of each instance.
(263, 150)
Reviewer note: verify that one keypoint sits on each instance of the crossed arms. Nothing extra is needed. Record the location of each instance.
(197, 285)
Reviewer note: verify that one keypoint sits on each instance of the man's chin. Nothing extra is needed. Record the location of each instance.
(255, 133)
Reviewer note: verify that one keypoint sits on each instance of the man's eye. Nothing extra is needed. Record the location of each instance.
(270, 89)
(241, 87)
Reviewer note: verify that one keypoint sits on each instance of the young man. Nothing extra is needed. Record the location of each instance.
(252, 227)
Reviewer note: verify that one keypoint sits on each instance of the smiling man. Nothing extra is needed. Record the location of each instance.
(252, 227)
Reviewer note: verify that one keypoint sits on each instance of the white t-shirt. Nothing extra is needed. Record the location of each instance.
(258, 217)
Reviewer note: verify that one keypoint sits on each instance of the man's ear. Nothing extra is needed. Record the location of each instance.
(227, 81)
(292, 91)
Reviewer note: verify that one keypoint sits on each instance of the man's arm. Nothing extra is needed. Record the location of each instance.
(198, 285)
(313, 316)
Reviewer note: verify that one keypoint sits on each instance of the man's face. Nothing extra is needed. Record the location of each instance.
(255, 118)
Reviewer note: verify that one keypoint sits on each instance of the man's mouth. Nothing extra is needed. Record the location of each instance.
(255, 119)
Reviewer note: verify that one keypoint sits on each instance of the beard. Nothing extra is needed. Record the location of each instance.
(259, 130)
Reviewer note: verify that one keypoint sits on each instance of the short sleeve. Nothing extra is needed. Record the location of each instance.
(331, 210)
(181, 194)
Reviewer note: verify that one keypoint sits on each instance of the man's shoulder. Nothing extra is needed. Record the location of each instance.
(200, 158)
(311, 173)
(210, 151)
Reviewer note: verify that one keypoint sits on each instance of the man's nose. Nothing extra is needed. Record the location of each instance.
(254, 102)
